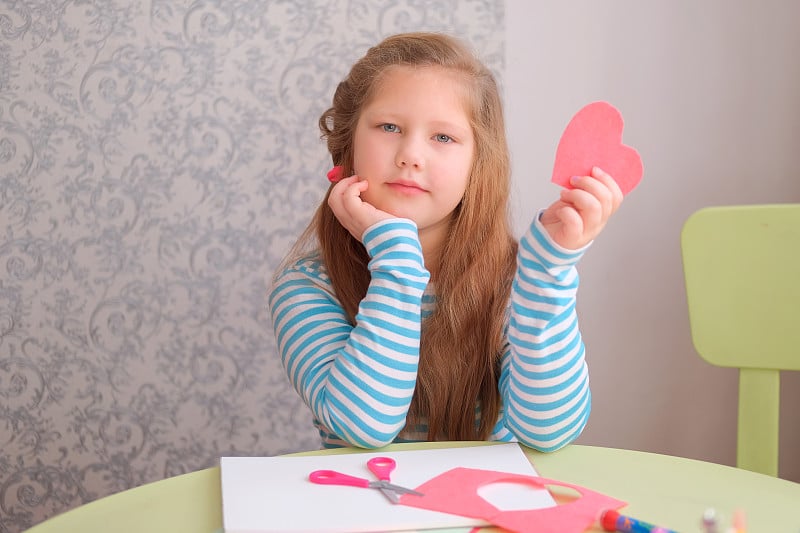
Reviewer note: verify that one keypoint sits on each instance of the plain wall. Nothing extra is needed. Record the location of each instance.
(710, 94)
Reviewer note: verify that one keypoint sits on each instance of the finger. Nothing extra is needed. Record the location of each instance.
(587, 205)
(341, 186)
(609, 181)
(351, 197)
(598, 188)
(572, 224)
(590, 211)
(337, 195)
(550, 215)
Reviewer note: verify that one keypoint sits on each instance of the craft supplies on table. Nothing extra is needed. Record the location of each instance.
(271, 494)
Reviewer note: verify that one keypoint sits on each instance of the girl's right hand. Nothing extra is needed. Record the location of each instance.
(353, 213)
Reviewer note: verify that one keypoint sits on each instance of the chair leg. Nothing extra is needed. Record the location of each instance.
(759, 409)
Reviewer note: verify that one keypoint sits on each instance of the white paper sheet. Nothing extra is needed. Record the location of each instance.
(273, 494)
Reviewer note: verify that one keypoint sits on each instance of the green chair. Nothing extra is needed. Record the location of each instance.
(742, 270)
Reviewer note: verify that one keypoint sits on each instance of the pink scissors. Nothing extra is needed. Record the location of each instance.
(382, 467)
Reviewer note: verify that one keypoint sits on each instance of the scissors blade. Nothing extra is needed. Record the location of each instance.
(390, 494)
(397, 490)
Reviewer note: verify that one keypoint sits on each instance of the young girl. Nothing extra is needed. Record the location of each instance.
(407, 310)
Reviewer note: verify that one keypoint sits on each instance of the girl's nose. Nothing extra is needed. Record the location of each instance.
(409, 154)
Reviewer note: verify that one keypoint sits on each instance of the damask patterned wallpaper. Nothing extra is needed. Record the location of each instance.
(157, 158)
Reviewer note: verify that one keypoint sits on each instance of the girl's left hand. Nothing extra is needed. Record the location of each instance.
(579, 215)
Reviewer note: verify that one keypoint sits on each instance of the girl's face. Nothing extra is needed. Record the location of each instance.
(414, 145)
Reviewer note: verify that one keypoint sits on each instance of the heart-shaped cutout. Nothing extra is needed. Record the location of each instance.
(510, 496)
(593, 138)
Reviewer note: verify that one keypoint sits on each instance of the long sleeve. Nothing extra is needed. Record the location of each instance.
(358, 381)
(544, 379)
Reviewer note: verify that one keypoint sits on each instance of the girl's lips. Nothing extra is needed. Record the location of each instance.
(406, 187)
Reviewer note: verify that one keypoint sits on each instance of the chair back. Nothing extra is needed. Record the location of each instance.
(742, 271)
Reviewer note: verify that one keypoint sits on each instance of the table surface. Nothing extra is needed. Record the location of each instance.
(665, 490)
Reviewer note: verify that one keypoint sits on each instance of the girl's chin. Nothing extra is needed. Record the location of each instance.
(396, 211)
(402, 214)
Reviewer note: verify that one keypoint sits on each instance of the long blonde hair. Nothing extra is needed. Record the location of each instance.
(462, 340)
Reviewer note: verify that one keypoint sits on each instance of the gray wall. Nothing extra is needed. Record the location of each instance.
(157, 157)
(710, 92)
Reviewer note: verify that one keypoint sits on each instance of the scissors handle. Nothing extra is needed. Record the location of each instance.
(332, 477)
(382, 467)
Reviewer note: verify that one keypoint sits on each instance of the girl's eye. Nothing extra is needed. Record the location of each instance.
(442, 138)
(390, 128)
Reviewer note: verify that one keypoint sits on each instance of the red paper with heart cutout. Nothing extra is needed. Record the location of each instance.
(457, 492)
(593, 138)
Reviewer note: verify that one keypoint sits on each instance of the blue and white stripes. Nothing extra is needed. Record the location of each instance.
(358, 381)
(546, 397)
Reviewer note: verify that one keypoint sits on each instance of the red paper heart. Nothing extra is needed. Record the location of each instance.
(594, 138)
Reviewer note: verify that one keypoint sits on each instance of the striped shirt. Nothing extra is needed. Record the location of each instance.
(359, 381)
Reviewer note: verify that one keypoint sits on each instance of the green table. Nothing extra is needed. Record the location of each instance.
(665, 490)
